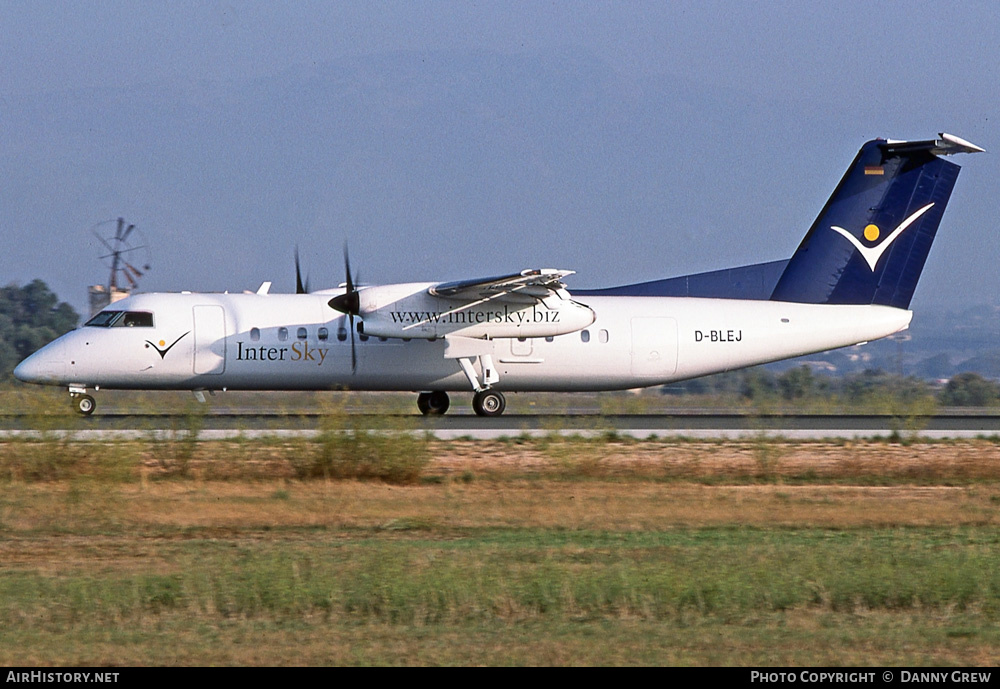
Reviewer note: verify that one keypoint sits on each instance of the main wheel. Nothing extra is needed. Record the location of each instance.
(84, 404)
(433, 403)
(489, 403)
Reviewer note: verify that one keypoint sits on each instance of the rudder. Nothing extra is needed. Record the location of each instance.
(870, 242)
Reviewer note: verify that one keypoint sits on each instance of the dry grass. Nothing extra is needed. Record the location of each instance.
(523, 552)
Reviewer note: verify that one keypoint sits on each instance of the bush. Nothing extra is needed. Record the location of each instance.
(397, 457)
(969, 390)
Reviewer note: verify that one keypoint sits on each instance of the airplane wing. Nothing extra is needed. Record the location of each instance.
(535, 284)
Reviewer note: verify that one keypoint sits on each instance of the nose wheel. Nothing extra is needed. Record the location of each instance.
(489, 403)
(84, 404)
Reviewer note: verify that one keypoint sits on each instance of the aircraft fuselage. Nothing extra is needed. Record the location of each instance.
(291, 342)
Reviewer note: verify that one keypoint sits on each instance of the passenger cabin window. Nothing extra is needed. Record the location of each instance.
(282, 333)
(122, 319)
(341, 333)
(255, 334)
(584, 336)
(301, 333)
(602, 336)
(323, 334)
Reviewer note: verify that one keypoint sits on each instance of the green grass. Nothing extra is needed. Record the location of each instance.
(938, 590)
(499, 575)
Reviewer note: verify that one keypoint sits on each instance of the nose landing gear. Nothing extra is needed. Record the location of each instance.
(83, 404)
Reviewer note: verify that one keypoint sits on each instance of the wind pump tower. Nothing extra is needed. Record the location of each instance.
(121, 250)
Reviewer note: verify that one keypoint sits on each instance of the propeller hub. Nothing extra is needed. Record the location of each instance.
(349, 303)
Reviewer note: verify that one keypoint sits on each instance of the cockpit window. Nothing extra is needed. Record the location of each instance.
(122, 319)
(104, 319)
(135, 319)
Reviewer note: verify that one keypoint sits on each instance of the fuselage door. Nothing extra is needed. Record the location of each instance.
(521, 346)
(654, 347)
(209, 340)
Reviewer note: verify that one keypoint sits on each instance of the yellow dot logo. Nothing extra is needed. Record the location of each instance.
(162, 342)
(871, 233)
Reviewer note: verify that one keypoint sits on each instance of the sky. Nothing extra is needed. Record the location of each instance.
(444, 140)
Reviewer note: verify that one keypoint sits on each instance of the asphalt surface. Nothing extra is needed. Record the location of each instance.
(216, 424)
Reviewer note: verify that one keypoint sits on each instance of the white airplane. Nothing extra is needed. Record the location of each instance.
(850, 281)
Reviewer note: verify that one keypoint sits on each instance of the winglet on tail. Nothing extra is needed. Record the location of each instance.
(869, 243)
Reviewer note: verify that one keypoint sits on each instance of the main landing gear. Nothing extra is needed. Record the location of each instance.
(489, 402)
(433, 403)
(486, 402)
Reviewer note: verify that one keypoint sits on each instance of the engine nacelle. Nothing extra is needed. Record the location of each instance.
(409, 311)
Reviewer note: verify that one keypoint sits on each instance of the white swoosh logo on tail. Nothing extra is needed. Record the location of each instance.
(872, 254)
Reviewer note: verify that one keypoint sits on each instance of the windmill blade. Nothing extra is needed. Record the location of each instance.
(116, 256)
(131, 269)
(120, 242)
(103, 241)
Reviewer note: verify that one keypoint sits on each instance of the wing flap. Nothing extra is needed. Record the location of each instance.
(533, 283)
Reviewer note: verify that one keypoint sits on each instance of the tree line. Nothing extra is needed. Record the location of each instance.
(30, 317)
(801, 384)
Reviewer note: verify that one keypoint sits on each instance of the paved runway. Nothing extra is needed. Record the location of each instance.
(217, 425)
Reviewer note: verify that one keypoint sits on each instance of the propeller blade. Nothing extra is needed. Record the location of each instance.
(347, 269)
(354, 353)
(349, 304)
(299, 287)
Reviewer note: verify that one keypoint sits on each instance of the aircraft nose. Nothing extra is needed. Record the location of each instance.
(47, 365)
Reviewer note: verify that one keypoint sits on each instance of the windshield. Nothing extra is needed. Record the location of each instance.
(104, 319)
(122, 319)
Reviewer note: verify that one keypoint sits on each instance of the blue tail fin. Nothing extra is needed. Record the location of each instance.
(870, 241)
